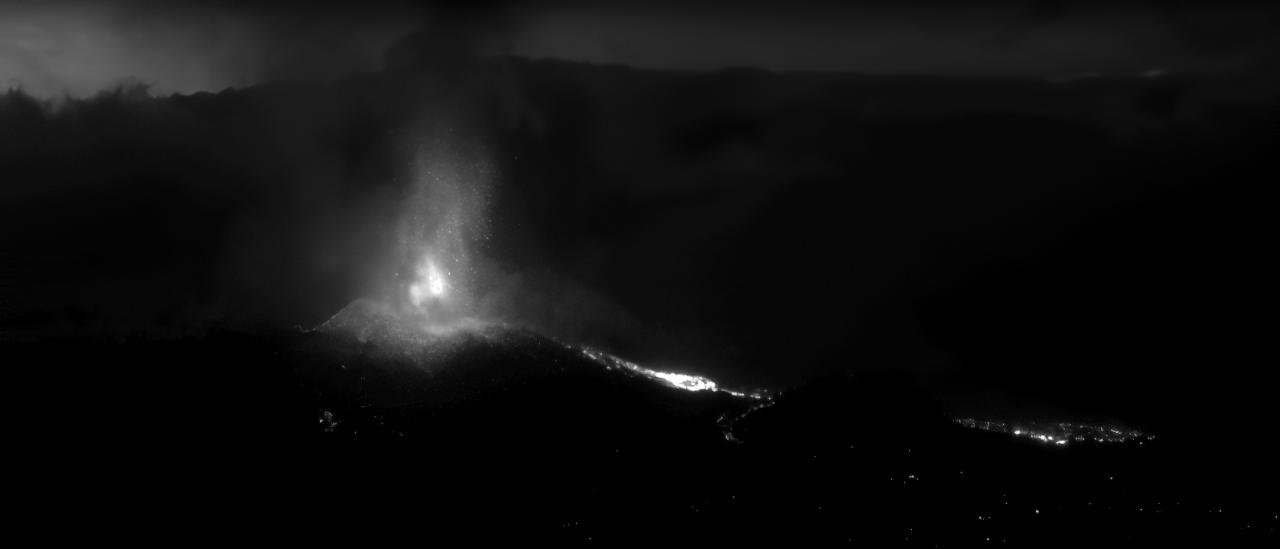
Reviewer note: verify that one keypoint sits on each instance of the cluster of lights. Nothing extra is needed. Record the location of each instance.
(1041, 437)
(1058, 434)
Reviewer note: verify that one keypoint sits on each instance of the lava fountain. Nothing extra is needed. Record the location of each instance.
(442, 229)
(442, 225)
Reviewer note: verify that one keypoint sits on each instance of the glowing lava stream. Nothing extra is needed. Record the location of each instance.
(428, 291)
(674, 380)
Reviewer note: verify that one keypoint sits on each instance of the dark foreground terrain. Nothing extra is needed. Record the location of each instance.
(321, 434)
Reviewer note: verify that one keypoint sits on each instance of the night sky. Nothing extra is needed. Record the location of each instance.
(51, 48)
(1037, 210)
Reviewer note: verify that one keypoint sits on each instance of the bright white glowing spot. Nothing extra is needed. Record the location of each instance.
(686, 382)
(430, 283)
(1060, 442)
(435, 281)
(678, 381)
